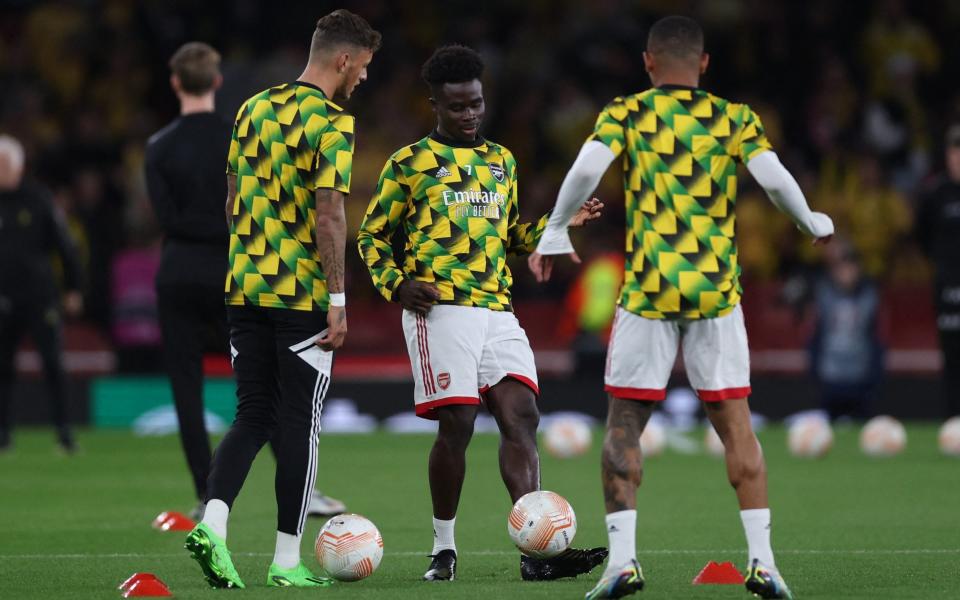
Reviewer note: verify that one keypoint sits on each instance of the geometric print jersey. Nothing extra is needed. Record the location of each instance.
(680, 146)
(288, 141)
(456, 204)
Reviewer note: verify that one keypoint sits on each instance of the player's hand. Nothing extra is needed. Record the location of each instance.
(336, 329)
(73, 303)
(417, 296)
(822, 241)
(591, 210)
(542, 265)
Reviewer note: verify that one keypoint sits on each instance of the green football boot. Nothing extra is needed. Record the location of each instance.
(210, 552)
(299, 576)
(617, 584)
(766, 583)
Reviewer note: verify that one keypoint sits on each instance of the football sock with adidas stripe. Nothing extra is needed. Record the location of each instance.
(622, 533)
(756, 526)
(443, 535)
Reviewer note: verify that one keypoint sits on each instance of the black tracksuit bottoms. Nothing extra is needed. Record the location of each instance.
(950, 346)
(193, 319)
(39, 316)
(282, 377)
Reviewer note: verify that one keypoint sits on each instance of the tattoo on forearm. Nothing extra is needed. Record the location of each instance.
(622, 461)
(331, 236)
(231, 195)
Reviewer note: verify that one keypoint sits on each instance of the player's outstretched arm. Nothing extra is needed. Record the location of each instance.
(581, 180)
(784, 191)
(331, 240)
(524, 237)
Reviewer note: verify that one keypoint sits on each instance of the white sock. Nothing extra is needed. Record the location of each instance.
(443, 535)
(622, 533)
(756, 526)
(215, 517)
(287, 554)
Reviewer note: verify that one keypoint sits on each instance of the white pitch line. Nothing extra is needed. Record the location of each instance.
(879, 551)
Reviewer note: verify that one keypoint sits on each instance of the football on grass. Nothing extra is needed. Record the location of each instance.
(883, 436)
(810, 437)
(949, 437)
(566, 437)
(653, 439)
(542, 524)
(712, 442)
(349, 547)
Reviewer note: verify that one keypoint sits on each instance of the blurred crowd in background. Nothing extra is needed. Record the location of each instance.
(854, 95)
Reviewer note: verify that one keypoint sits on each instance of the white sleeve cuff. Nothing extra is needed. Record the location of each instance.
(555, 241)
(819, 225)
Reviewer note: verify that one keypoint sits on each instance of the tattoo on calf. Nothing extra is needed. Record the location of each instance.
(622, 461)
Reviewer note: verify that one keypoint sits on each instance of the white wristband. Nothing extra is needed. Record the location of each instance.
(338, 299)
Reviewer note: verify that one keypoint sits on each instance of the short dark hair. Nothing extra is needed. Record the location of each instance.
(197, 66)
(344, 27)
(452, 64)
(677, 36)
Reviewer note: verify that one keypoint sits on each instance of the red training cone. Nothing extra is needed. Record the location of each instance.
(140, 585)
(173, 521)
(718, 573)
(133, 579)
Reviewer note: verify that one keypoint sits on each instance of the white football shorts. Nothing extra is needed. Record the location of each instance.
(459, 352)
(642, 352)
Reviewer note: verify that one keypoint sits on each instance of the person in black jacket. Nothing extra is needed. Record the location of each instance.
(186, 185)
(938, 231)
(31, 231)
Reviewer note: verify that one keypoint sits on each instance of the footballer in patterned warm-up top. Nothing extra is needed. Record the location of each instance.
(288, 174)
(680, 145)
(457, 202)
(680, 184)
(288, 141)
(454, 196)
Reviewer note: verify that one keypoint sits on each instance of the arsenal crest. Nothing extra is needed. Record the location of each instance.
(444, 380)
(496, 171)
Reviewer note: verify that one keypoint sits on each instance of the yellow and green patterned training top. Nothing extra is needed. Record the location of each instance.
(680, 146)
(288, 141)
(457, 204)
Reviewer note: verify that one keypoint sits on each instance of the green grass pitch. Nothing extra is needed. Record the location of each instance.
(844, 527)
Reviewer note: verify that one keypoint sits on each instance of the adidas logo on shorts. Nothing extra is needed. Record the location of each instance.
(441, 173)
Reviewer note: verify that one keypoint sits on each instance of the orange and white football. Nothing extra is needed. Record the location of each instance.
(349, 547)
(542, 524)
(883, 436)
